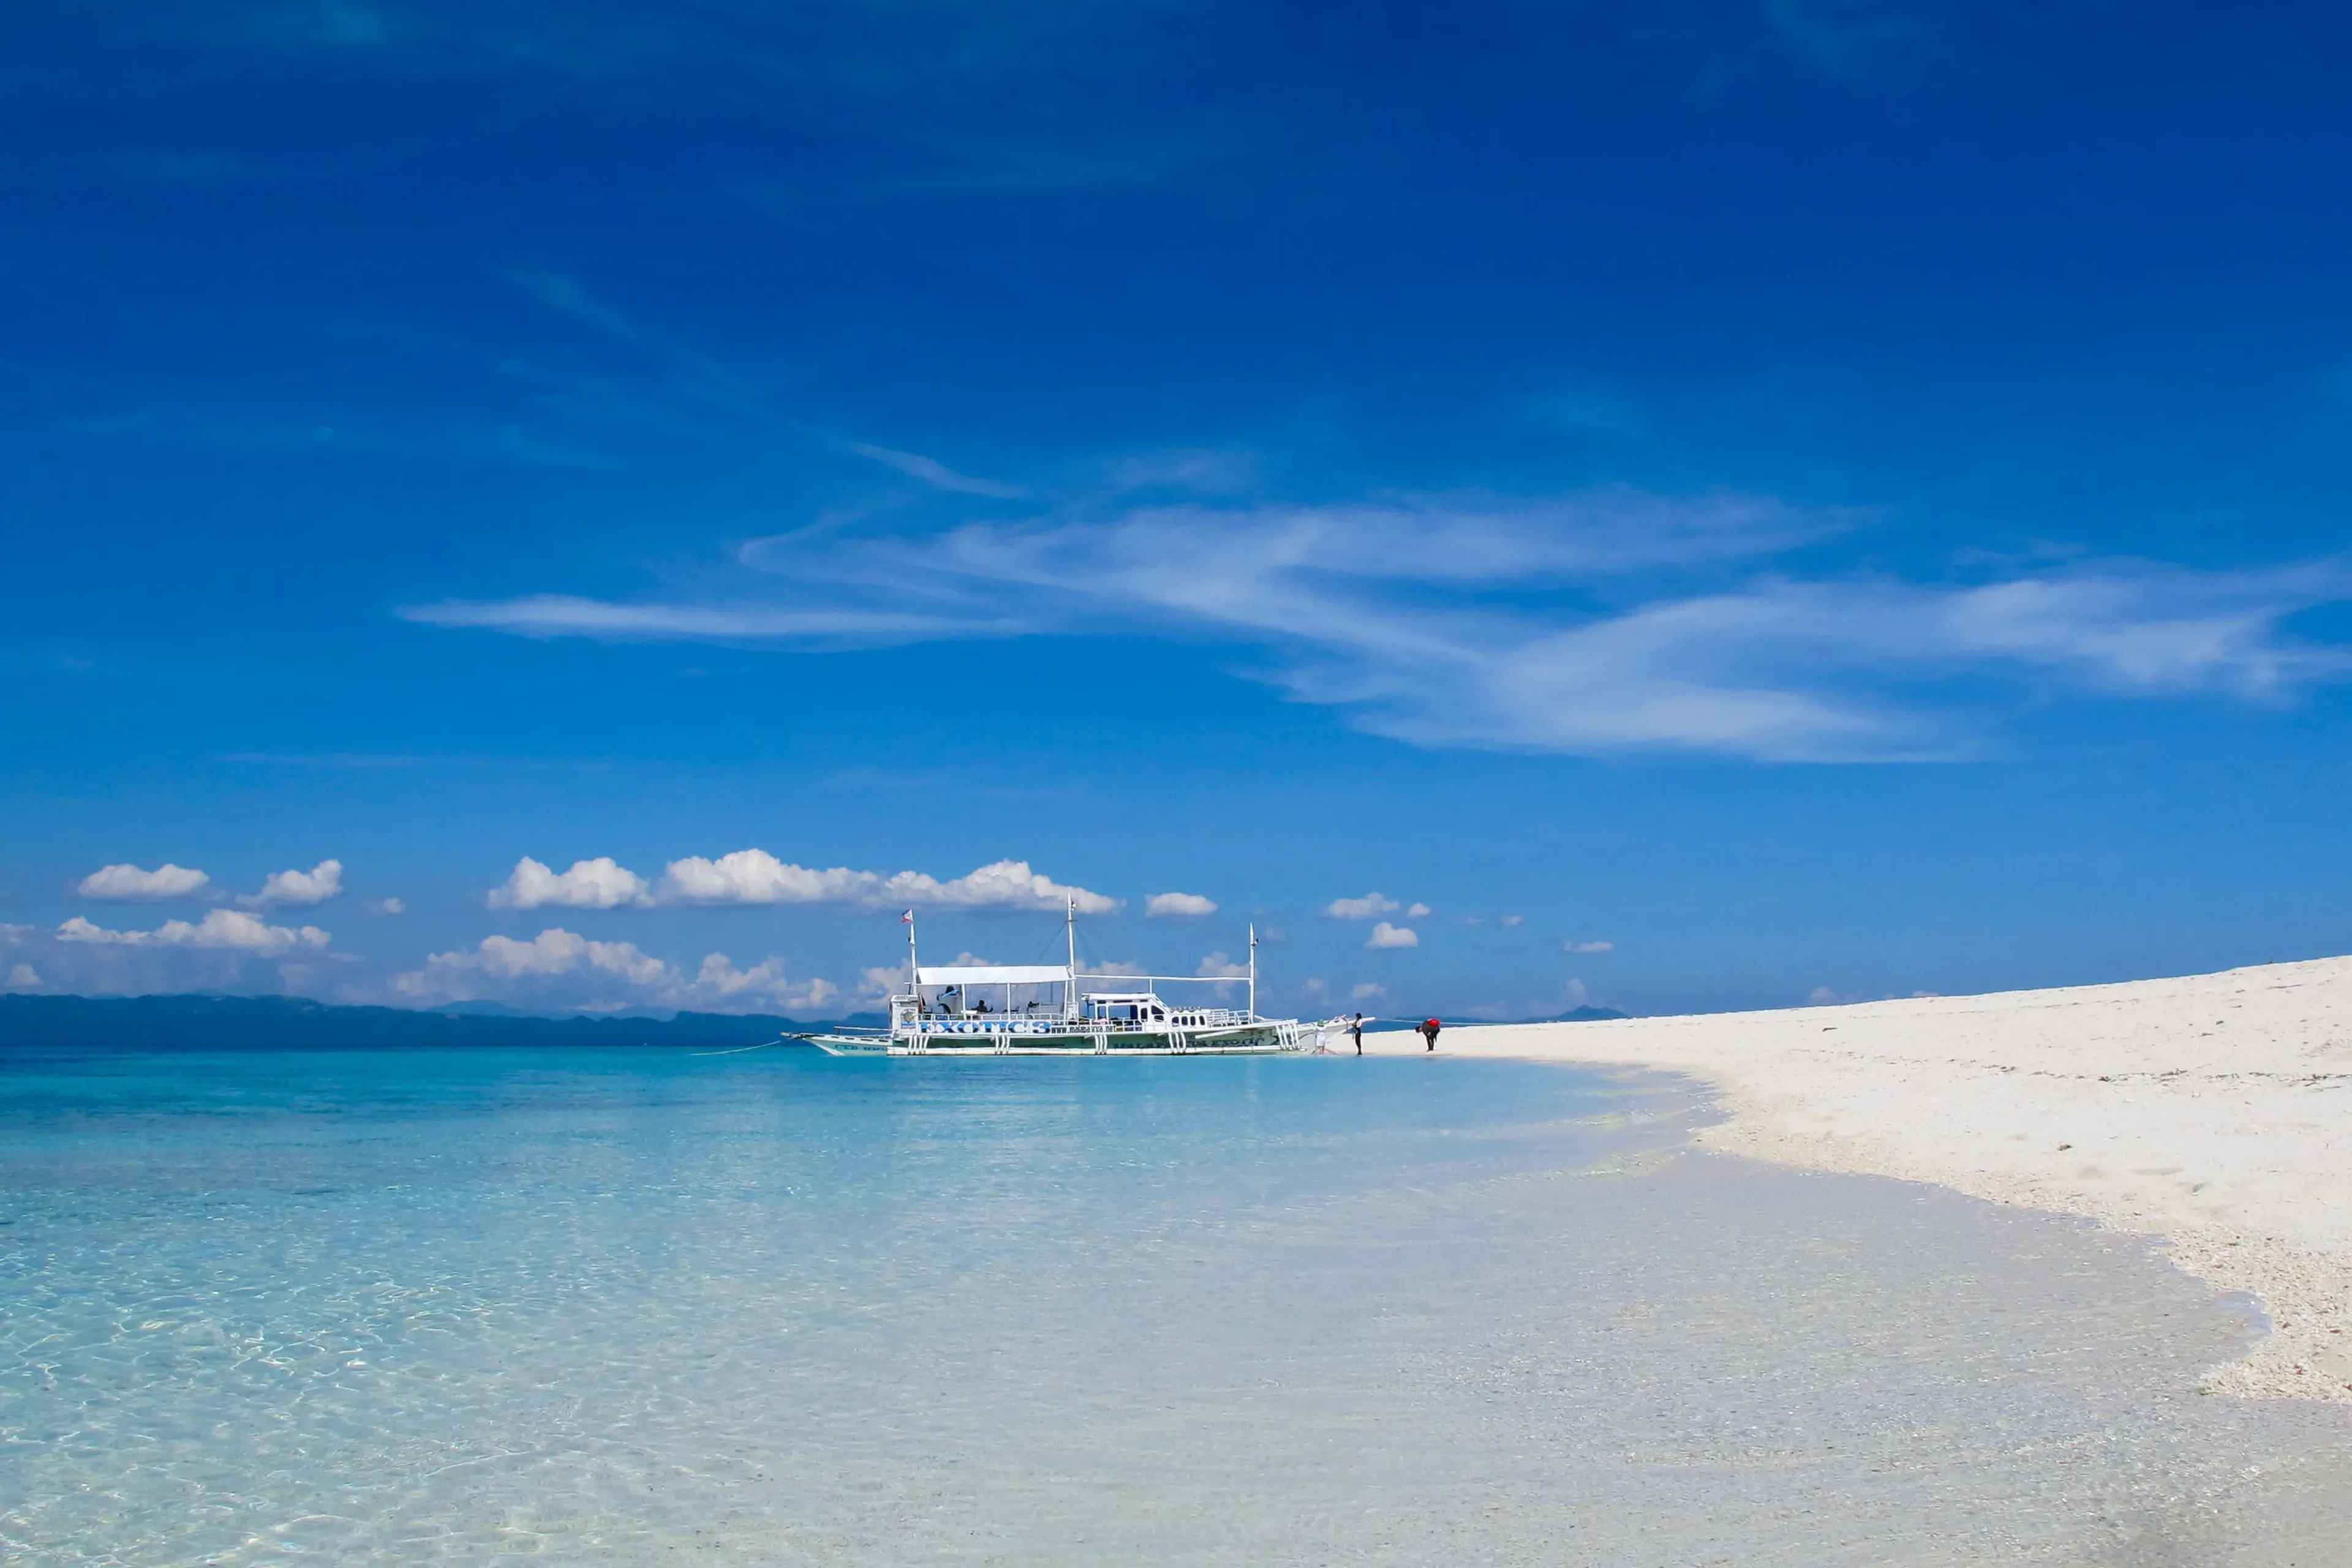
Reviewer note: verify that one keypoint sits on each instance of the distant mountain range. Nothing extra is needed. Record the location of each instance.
(260, 1021)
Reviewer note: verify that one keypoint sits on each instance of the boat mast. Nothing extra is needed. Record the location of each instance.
(914, 974)
(1070, 986)
(1252, 972)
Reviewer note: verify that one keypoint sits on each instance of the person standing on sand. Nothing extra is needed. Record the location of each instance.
(1356, 1028)
(1428, 1031)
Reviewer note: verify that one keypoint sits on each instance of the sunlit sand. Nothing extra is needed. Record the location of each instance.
(2214, 1111)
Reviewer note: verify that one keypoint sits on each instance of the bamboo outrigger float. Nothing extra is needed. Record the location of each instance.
(1046, 1010)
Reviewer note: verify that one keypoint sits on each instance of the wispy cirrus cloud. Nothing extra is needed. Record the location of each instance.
(936, 474)
(1612, 619)
(1843, 38)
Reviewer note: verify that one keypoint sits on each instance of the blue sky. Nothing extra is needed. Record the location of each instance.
(1684, 505)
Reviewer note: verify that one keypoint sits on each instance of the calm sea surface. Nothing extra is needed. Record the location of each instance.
(612, 1307)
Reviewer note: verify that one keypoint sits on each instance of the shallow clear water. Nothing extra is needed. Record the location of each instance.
(603, 1306)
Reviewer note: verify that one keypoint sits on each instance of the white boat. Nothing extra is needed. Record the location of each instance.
(1051, 1010)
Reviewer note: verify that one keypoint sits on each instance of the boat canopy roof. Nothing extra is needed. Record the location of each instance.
(992, 974)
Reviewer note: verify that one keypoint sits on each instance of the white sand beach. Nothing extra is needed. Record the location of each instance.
(2213, 1111)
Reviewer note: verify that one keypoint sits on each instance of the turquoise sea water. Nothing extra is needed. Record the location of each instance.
(615, 1307)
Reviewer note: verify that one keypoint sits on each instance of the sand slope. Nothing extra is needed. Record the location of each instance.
(2214, 1111)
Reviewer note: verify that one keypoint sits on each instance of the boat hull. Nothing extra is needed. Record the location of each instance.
(1265, 1037)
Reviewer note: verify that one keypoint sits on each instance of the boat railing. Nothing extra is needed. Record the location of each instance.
(1013, 1024)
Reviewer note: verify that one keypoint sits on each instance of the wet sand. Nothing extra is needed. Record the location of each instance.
(2212, 1111)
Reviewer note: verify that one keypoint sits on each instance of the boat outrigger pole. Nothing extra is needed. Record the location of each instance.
(1252, 1000)
(914, 970)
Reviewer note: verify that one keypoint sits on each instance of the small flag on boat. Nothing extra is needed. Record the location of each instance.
(907, 919)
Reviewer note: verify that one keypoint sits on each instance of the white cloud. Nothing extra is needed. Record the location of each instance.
(1370, 991)
(598, 884)
(228, 929)
(1116, 966)
(882, 982)
(1387, 935)
(1218, 966)
(1315, 986)
(315, 886)
(1822, 997)
(563, 969)
(1166, 905)
(387, 907)
(1470, 620)
(22, 977)
(934, 472)
(718, 981)
(1003, 884)
(555, 952)
(1419, 911)
(129, 884)
(1514, 919)
(1588, 947)
(756, 876)
(1361, 909)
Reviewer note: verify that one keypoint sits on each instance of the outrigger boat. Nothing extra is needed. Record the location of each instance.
(1048, 1010)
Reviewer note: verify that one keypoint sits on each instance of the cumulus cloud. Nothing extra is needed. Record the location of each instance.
(1163, 906)
(1370, 991)
(1219, 966)
(387, 907)
(756, 876)
(1514, 919)
(128, 884)
(882, 982)
(1588, 947)
(315, 886)
(22, 977)
(1418, 911)
(1361, 909)
(598, 884)
(719, 981)
(229, 929)
(563, 969)
(1386, 935)
(1605, 620)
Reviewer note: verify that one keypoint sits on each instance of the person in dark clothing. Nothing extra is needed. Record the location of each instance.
(1356, 1028)
(1429, 1027)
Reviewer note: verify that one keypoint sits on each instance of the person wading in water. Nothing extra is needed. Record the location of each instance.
(1428, 1031)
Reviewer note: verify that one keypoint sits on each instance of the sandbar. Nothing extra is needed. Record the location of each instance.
(2211, 1111)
